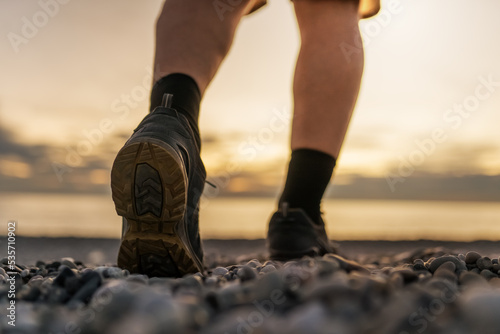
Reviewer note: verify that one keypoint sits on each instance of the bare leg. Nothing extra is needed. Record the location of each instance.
(158, 176)
(193, 38)
(326, 84)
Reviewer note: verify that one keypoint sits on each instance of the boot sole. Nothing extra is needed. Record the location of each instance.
(149, 189)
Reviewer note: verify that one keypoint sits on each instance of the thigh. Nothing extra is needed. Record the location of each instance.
(367, 8)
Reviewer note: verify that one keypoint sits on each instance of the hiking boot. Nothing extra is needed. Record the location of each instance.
(292, 234)
(156, 181)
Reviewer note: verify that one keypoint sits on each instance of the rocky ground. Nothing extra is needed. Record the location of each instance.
(430, 290)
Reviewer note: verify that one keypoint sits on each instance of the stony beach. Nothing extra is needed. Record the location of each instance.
(66, 285)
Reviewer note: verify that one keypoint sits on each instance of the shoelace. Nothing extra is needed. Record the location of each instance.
(211, 184)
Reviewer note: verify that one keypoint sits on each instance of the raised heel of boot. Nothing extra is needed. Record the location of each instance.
(148, 183)
(154, 249)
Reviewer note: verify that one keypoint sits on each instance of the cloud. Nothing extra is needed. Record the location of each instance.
(31, 168)
(10, 147)
(450, 173)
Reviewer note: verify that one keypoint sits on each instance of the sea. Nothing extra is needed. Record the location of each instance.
(94, 216)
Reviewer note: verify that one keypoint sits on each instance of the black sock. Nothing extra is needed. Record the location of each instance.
(186, 100)
(309, 173)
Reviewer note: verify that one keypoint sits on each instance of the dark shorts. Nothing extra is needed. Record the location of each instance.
(367, 8)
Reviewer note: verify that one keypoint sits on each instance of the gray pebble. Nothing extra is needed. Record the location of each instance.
(113, 272)
(450, 266)
(254, 263)
(471, 266)
(137, 278)
(419, 264)
(472, 257)
(484, 263)
(397, 280)
(211, 281)
(109, 272)
(246, 273)
(91, 282)
(219, 271)
(481, 309)
(25, 273)
(37, 279)
(327, 268)
(488, 274)
(268, 269)
(69, 262)
(446, 271)
(471, 278)
(440, 260)
(57, 295)
(64, 274)
(495, 282)
(192, 281)
(409, 276)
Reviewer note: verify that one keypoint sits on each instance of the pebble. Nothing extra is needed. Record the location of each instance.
(472, 257)
(488, 274)
(484, 263)
(254, 263)
(327, 268)
(25, 273)
(91, 282)
(246, 273)
(313, 295)
(268, 269)
(219, 271)
(435, 263)
(65, 272)
(446, 271)
(481, 310)
(471, 278)
(211, 281)
(69, 262)
(408, 276)
(419, 264)
(347, 265)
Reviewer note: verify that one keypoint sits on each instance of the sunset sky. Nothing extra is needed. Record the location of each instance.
(430, 94)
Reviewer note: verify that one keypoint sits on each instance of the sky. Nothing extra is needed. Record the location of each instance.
(427, 110)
